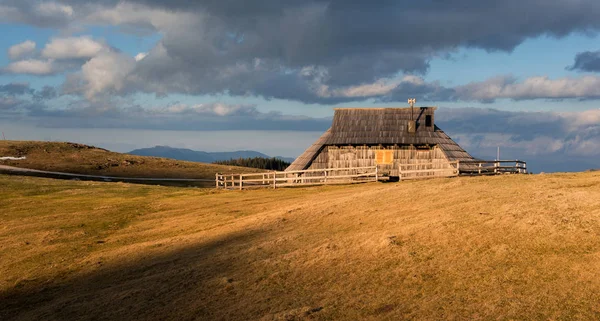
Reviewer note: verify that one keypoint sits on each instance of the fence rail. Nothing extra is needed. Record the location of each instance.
(297, 178)
(483, 167)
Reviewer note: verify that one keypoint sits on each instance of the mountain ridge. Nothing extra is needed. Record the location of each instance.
(200, 156)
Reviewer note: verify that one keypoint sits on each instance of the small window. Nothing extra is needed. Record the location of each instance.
(428, 122)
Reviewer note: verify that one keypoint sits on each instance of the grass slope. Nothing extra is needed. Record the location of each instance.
(89, 160)
(506, 247)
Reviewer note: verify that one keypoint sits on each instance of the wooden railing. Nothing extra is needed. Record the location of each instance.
(367, 174)
(297, 178)
(428, 170)
(482, 167)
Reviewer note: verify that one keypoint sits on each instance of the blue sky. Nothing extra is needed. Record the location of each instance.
(75, 69)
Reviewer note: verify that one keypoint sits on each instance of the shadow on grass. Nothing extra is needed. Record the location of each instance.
(189, 284)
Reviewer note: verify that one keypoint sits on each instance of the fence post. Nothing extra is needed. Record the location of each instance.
(479, 168)
(217, 180)
(241, 182)
(400, 172)
(376, 173)
(274, 180)
(457, 167)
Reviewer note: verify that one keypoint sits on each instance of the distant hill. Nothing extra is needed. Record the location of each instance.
(200, 156)
(89, 160)
(174, 153)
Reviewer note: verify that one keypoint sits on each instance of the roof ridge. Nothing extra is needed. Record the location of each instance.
(379, 108)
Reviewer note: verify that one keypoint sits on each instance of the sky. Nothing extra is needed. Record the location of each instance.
(266, 75)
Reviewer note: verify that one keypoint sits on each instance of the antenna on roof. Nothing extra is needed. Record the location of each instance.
(411, 102)
(412, 124)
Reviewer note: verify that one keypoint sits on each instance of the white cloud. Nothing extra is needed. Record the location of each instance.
(499, 87)
(215, 109)
(22, 49)
(106, 72)
(53, 9)
(221, 109)
(140, 16)
(387, 89)
(586, 146)
(379, 88)
(583, 118)
(531, 88)
(72, 47)
(140, 56)
(30, 66)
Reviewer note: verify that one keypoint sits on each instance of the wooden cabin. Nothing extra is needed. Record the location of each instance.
(393, 139)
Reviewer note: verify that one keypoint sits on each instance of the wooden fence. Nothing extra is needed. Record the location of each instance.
(428, 170)
(367, 174)
(297, 178)
(482, 167)
(455, 168)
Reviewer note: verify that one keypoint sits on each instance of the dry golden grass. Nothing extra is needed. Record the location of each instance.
(507, 248)
(89, 160)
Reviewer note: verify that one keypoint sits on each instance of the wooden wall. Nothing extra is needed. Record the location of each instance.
(362, 156)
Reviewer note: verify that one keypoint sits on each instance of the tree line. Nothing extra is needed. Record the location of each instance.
(274, 164)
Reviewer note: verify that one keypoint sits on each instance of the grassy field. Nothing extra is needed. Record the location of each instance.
(89, 160)
(502, 248)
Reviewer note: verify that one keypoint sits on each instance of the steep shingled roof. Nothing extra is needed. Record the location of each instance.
(386, 126)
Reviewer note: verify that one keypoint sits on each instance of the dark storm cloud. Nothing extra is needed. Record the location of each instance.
(46, 93)
(15, 89)
(24, 89)
(18, 99)
(587, 61)
(46, 14)
(293, 49)
(360, 41)
(255, 47)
